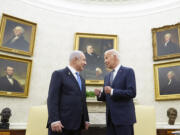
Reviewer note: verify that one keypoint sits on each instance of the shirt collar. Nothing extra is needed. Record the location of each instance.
(117, 67)
(8, 77)
(72, 69)
(166, 43)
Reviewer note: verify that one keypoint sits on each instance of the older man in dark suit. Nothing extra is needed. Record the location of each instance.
(67, 108)
(118, 93)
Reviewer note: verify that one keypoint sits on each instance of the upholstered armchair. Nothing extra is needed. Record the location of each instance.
(146, 123)
(146, 120)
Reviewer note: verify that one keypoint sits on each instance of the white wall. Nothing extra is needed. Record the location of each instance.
(55, 40)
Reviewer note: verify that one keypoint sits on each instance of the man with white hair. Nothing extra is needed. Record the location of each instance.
(17, 41)
(67, 108)
(118, 93)
(168, 47)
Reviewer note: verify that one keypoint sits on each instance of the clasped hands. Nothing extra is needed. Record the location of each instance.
(107, 90)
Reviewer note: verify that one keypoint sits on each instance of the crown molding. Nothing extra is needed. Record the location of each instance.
(104, 9)
(18, 125)
(159, 125)
(164, 125)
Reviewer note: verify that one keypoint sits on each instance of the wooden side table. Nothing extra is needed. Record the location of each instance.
(5, 133)
(165, 131)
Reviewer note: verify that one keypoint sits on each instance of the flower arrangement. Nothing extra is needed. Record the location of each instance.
(90, 94)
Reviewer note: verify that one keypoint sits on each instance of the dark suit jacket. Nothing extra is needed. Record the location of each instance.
(120, 105)
(20, 44)
(66, 102)
(5, 85)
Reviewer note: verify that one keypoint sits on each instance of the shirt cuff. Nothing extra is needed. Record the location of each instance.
(112, 92)
(100, 93)
(55, 122)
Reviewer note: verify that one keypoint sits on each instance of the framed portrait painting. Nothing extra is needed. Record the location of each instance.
(94, 46)
(166, 42)
(17, 35)
(167, 80)
(14, 76)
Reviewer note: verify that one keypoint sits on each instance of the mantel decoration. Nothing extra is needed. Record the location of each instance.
(172, 115)
(5, 115)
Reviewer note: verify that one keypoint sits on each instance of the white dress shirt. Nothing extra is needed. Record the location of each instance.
(10, 80)
(73, 71)
(116, 69)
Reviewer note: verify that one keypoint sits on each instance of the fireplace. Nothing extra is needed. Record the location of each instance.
(97, 118)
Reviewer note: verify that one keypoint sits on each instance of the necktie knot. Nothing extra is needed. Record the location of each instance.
(77, 73)
(79, 80)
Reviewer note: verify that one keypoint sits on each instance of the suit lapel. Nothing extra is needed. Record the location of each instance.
(71, 76)
(109, 75)
(7, 81)
(119, 72)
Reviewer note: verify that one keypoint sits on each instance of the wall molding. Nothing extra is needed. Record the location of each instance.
(105, 10)
(164, 125)
(18, 125)
(159, 125)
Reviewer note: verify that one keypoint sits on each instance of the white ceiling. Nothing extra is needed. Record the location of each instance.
(105, 8)
(109, 1)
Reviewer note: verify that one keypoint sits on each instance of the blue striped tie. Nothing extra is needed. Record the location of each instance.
(111, 77)
(79, 80)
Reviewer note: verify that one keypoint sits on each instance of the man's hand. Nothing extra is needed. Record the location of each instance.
(87, 125)
(107, 89)
(97, 92)
(57, 126)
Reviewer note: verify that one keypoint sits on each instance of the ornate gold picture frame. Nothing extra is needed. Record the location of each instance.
(14, 76)
(17, 35)
(166, 42)
(167, 80)
(94, 46)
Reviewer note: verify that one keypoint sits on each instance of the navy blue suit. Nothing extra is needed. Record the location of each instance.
(66, 102)
(119, 106)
